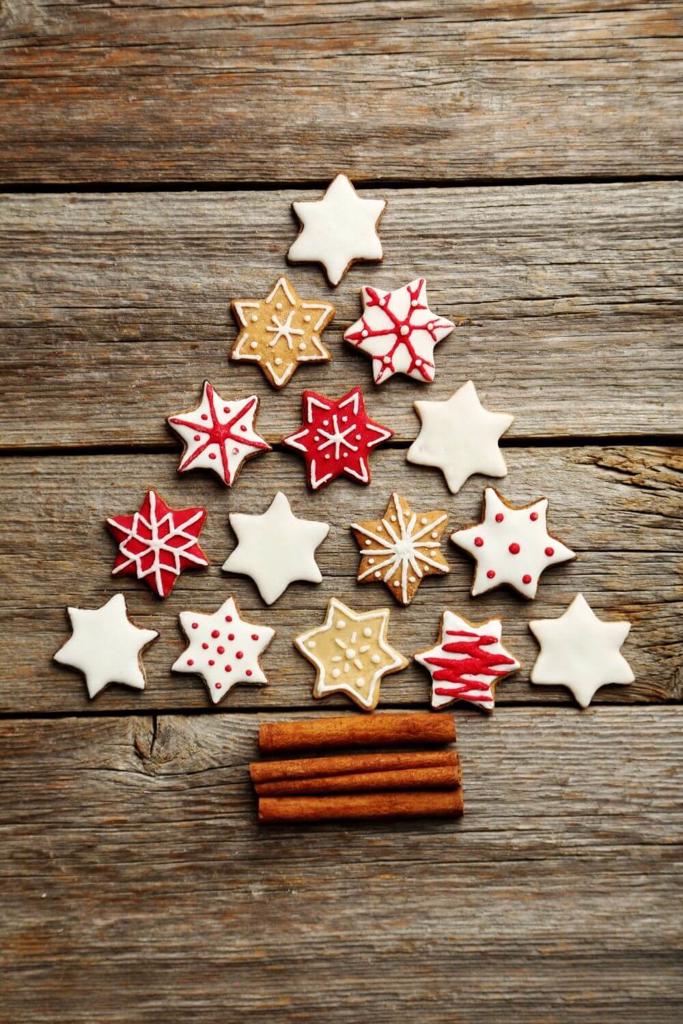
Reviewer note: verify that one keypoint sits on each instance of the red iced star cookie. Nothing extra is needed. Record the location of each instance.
(158, 542)
(336, 437)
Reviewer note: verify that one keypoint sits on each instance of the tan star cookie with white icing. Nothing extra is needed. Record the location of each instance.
(281, 331)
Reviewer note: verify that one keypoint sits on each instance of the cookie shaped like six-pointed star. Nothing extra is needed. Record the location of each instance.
(580, 651)
(351, 653)
(399, 331)
(337, 437)
(337, 230)
(401, 548)
(281, 331)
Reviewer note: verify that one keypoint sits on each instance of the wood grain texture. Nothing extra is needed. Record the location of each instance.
(138, 886)
(116, 307)
(618, 508)
(284, 91)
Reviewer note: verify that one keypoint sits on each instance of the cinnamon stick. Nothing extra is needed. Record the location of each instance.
(345, 764)
(354, 731)
(350, 806)
(447, 777)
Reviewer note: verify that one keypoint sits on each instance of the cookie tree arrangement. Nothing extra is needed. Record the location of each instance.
(399, 549)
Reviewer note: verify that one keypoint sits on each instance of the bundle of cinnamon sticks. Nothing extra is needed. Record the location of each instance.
(370, 783)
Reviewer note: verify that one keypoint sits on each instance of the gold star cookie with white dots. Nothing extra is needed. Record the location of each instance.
(281, 331)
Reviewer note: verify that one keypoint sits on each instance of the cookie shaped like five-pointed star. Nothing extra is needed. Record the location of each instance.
(401, 548)
(105, 646)
(460, 437)
(281, 331)
(276, 548)
(580, 651)
(351, 653)
(337, 230)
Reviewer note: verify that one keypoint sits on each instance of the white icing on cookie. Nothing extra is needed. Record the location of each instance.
(460, 437)
(105, 646)
(276, 548)
(580, 651)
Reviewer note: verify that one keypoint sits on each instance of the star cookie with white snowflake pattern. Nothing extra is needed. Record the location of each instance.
(337, 230)
(467, 662)
(401, 548)
(158, 542)
(399, 331)
(511, 545)
(219, 434)
(281, 331)
(351, 653)
(223, 649)
(337, 437)
(105, 646)
(580, 651)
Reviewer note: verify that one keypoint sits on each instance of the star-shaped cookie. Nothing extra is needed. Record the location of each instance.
(276, 548)
(351, 653)
(401, 548)
(336, 437)
(467, 662)
(281, 331)
(223, 649)
(460, 437)
(580, 651)
(219, 434)
(105, 646)
(399, 331)
(511, 545)
(337, 230)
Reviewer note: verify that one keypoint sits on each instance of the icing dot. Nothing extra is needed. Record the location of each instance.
(386, 360)
(220, 650)
(302, 346)
(363, 334)
(375, 659)
(219, 686)
(491, 574)
(413, 302)
(326, 423)
(316, 437)
(371, 561)
(248, 672)
(526, 578)
(311, 644)
(212, 455)
(336, 673)
(350, 652)
(231, 636)
(345, 419)
(367, 631)
(533, 517)
(190, 661)
(360, 681)
(514, 548)
(205, 647)
(307, 318)
(377, 574)
(411, 579)
(277, 361)
(368, 543)
(254, 636)
(211, 661)
(243, 428)
(424, 520)
(404, 329)
(393, 519)
(226, 408)
(499, 517)
(253, 344)
(550, 552)
(228, 668)
(195, 625)
(197, 437)
(328, 457)
(204, 416)
(341, 623)
(228, 618)
(434, 534)
(397, 583)
(254, 318)
(418, 362)
(359, 437)
(479, 542)
(278, 305)
(239, 655)
(215, 634)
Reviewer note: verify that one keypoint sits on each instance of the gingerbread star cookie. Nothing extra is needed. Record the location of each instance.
(511, 545)
(337, 230)
(105, 646)
(281, 331)
(219, 434)
(580, 651)
(467, 662)
(401, 548)
(351, 653)
(399, 331)
(158, 542)
(337, 437)
(223, 649)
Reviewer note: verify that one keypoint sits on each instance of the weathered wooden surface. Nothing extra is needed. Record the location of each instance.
(567, 300)
(270, 91)
(619, 508)
(141, 888)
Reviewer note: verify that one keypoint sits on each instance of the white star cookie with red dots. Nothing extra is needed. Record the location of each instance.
(460, 437)
(105, 646)
(511, 545)
(399, 331)
(337, 230)
(219, 434)
(580, 651)
(223, 649)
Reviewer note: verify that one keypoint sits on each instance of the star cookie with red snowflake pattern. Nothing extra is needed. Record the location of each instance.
(467, 662)
(158, 542)
(219, 434)
(336, 437)
(399, 331)
(511, 545)
(223, 649)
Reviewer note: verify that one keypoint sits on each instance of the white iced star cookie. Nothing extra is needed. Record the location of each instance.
(351, 653)
(399, 331)
(276, 548)
(511, 545)
(223, 649)
(337, 230)
(580, 651)
(460, 437)
(105, 646)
